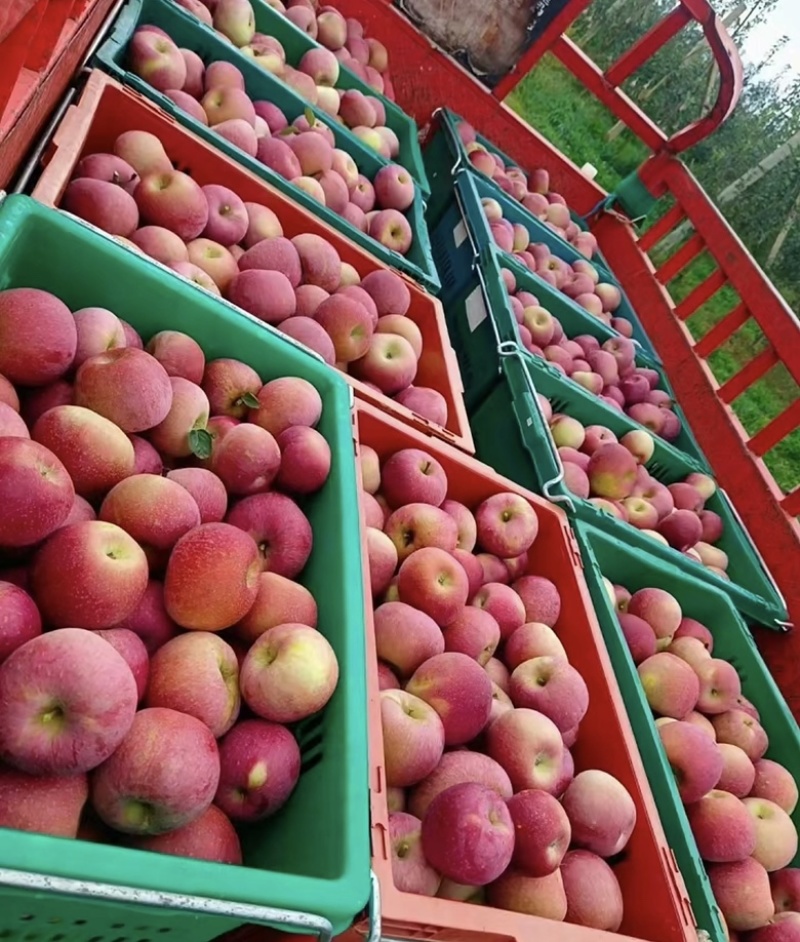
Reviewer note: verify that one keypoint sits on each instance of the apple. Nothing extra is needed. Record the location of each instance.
(210, 837)
(21, 619)
(91, 574)
(36, 492)
(720, 686)
(389, 363)
(503, 604)
(163, 775)
(738, 772)
(431, 580)
(660, 610)
(460, 691)
(670, 685)
(289, 673)
(775, 783)
(280, 529)
(259, 769)
(542, 829)
(405, 637)
(468, 834)
(723, 827)
(550, 685)
(696, 760)
(411, 872)
(531, 640)
(475, 632)
(211, 580)
(540, 598)
(68, 702)
(155, 511)
(528, 745)
(461, 765)
(50, 804)
(155, 58)
(742, 892)
(507, 525)
(601, 812)
(776, 836)
(594, 896)
(96, 453)
(786, 889)
(413, 738)
(739, 728)
(197, 674)
(133, 651)
(534, 896)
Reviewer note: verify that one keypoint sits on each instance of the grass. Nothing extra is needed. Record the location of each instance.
(559, 107)
(556, 104)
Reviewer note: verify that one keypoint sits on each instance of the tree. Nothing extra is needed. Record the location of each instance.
(749, 165)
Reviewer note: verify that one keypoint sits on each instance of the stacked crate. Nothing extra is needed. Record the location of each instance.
(324, 865)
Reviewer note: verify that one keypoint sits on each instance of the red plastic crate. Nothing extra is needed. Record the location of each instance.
(656, 902)
(106, 109)
(42, 44)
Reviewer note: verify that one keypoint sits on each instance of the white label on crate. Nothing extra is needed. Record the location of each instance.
(459, 233)
(476, 310)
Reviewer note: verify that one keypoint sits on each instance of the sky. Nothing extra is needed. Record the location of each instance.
(783, 21)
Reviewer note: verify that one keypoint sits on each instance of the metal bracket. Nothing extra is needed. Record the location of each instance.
(200, 905)
(374, 909)
(476, 252)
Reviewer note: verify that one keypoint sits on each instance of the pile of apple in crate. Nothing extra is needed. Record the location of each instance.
(150, 502)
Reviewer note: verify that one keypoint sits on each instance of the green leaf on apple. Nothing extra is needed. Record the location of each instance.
(310, 117)
(249, 400)
(201, 442)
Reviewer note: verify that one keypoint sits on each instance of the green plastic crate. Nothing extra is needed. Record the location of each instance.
(261, 85)
(444, 154)
(511, 434)
(463, 233)
(623, 564)
(302, 860)
(481, 318)
(296, 42)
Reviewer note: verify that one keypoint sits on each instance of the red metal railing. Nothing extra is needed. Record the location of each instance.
(735, 454)
(606, 85)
